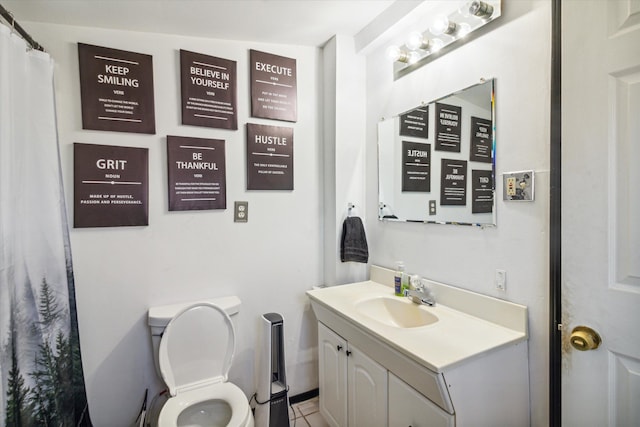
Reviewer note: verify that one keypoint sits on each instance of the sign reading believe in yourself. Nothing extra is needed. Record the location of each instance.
(453, 182)
(448, 127)
(110, 186)
(208, 91)
(415, 123)
(197, 173)
(269, 157)
(481, 140)
(416, 166)
(481, 191)
(273, 86)
(116, 90)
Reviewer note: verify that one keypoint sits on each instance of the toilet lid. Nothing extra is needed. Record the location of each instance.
(197, 348)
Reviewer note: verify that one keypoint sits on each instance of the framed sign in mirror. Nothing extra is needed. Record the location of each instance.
(436, 162)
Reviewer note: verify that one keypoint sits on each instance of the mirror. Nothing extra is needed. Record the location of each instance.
(436, 162)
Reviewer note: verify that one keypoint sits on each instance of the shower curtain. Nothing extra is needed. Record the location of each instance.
(41, 379)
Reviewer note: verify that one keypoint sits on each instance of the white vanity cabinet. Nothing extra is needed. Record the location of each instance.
(353, 386)
(465, 365)
(408, 408)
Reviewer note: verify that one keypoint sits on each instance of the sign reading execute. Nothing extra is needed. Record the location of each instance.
(116, 89)
(273, 86)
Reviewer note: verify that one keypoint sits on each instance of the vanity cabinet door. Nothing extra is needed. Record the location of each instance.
(408, 408)
(367, 384)
(332, 380)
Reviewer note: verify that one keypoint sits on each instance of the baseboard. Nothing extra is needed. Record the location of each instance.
(304, 396)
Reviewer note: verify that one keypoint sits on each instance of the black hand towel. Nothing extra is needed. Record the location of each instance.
(353, 245)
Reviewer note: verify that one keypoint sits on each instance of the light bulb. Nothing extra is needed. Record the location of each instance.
(413, 57)
(416, 41)
(463, 29)
(436, 45)
(394, 53)
(442, 25)
(480, 9)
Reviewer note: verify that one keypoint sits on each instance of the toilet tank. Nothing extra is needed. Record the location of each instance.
(160, 316)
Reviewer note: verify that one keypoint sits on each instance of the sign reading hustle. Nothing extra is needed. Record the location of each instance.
(481, 140)
(209, 95)
(116, 90)
(269, 157)
(416, 166)
(448, 127)
(110, 186)
(415, 123)
(273, 87)
(453, 182)
(481, 191)
(197, 173)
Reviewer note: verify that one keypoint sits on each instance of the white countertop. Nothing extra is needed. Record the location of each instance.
(455, 337)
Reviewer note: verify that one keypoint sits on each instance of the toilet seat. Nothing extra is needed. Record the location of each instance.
(196, 352)
(228, 392)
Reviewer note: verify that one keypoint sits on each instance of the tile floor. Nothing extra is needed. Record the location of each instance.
(306, 414)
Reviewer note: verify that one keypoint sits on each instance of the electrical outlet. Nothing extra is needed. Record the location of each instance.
(518, 186)
(501, 280)
(241, 212)
(432, 207)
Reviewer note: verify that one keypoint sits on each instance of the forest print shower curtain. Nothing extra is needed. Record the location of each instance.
(41, 379)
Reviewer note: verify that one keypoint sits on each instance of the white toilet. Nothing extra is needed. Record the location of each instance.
(195, 344)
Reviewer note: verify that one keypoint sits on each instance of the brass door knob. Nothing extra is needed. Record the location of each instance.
(584, 338)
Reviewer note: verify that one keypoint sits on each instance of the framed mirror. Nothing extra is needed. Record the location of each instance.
(436, 162)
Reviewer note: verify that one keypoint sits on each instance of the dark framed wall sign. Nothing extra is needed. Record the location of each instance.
(481, 140)
(269, 157)
(209, 91)
(197, 173)
(116, 89)
(481, 191)
(273, 86)
(416, 166)
(453, 182)
(448, 129)
(415, 123)
(110, 186)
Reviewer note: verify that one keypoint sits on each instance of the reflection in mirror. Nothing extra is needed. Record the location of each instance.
(436, 162)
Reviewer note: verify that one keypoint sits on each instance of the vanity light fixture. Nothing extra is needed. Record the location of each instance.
(445, 33)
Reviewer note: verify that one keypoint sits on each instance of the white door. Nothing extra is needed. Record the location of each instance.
(601, 210)
(332, 380)
(367, 389)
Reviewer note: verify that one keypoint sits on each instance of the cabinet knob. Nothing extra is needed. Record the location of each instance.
(339, 347)
(348, 353)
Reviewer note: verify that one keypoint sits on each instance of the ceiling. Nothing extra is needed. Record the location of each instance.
(299, 22)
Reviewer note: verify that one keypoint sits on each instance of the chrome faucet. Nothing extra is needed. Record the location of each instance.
(420, 295)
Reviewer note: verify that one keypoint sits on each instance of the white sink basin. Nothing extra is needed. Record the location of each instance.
(396, 311)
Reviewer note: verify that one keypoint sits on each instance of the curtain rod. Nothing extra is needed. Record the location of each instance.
(8, 16)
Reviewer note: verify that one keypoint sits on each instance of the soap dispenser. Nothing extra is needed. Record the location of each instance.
(398, 279)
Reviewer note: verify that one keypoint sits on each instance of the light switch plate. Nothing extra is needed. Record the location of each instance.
(241, 212)
(518, 186)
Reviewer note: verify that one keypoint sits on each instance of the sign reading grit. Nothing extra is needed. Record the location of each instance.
(197, 173)
(481, 191)
(273, 86)
(116, 90)
(110, 186)
(269, 157)
(209, 95)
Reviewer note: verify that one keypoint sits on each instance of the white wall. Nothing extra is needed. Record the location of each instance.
(181, 256)
(517, 53)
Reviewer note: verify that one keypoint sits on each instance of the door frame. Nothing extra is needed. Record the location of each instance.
(555, 216)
